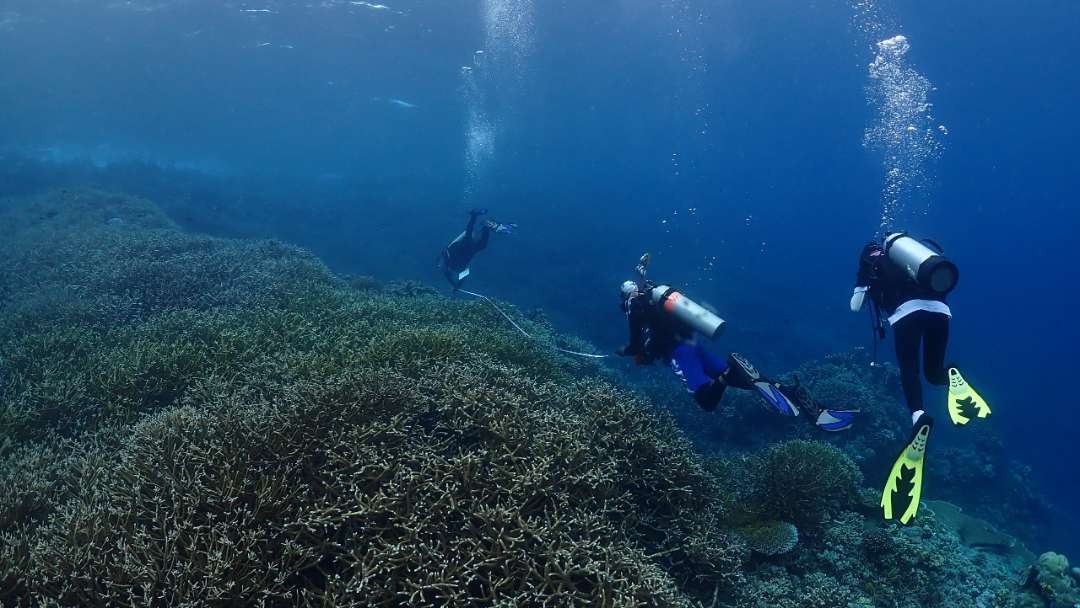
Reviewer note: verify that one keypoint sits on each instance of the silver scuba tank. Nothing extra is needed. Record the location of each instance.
(928, 268)
(686, 310)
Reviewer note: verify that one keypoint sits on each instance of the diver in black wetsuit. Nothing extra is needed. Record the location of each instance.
(457, 255)
(908, 280)
(919, 318)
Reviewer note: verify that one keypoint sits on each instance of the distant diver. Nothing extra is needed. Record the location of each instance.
(908, 281)
(665, 324)
(455, 259)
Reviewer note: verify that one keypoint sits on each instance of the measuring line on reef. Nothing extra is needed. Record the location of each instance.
(522, 330)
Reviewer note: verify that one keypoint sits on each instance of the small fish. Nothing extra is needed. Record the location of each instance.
(401, 103)
(257, 10)
(377, 7)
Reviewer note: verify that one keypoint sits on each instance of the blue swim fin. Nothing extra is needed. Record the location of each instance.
(772, 394)
(836, 420)
(743, 374)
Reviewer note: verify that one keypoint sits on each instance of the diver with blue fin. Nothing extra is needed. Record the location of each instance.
(665, 324)
(455, 259)
(908, 281)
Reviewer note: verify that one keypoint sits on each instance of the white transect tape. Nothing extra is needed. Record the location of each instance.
(522, 330)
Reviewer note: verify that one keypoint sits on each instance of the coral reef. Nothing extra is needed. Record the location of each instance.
(187, 420)
(297, 441)
(363, 282)
(1050, 583)
(976, 532)
(802, 482)
(971, 469)
(769, 537)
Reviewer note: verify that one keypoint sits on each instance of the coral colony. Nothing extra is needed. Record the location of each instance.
(187, 420)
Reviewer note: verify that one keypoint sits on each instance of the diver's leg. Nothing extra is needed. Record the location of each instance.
(687, 364)
(935, 342)
(451, 276)
(742, 374)
(908, 334)
(475, 213)
(715, 367)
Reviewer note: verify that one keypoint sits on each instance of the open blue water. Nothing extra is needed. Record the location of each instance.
(751, 146)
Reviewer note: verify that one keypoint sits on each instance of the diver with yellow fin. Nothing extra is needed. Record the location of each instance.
(664, 324)
(908, 281)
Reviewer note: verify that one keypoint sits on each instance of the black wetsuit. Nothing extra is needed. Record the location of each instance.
(890, 288)
(653, 335)
(458, 254)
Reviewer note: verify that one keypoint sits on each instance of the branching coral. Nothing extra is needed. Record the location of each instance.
(450, 487)
(294, 441)
(196, 421)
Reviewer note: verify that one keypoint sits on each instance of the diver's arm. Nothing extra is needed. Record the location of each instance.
(642, 270)
(864, 279)
(636, 321)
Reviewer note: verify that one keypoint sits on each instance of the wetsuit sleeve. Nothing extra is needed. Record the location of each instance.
(636, 321)
(865, 275)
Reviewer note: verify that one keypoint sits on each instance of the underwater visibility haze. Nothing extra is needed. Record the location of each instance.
(233, 370)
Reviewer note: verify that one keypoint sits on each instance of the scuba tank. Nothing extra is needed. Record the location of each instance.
(686, 310)
(674, 303)
(928, 268)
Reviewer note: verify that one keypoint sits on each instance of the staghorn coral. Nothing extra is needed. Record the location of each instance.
(299, 442)
(386, 488)
(363, 282)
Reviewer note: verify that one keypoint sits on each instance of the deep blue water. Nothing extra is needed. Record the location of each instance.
(725, 137)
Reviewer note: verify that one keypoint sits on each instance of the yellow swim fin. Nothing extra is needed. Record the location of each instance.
(903, 490)
(964, 403)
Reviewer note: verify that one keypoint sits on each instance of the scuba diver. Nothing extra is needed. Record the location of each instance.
(908, 281)
(664, 324)
(457, 255)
